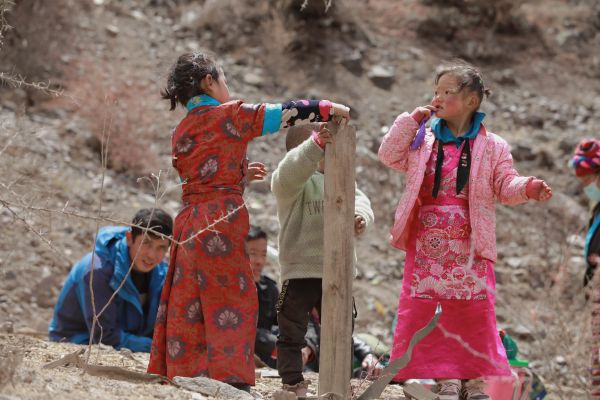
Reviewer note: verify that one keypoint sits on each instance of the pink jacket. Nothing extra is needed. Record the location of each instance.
(492, 176)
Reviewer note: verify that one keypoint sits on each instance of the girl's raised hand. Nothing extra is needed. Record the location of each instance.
(341, 111)
(538, 190)
(256, 171)
(423, 112)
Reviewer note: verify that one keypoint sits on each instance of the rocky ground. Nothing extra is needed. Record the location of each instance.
(111, 57)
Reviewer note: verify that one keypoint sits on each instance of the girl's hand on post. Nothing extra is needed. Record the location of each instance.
(423, 112)
(256, 171)
(341, 112)
(538, 190)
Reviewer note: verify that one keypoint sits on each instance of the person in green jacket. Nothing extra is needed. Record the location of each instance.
(298, 186)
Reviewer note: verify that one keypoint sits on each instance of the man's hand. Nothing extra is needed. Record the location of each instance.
(372, 365)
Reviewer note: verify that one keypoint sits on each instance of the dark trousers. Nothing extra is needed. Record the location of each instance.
(296, 301)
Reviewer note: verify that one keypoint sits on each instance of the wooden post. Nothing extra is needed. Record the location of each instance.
(338, 262)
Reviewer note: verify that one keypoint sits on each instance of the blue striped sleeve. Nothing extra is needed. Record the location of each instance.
(272, 119)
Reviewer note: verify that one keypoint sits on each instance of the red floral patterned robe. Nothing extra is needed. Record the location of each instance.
(206, 320)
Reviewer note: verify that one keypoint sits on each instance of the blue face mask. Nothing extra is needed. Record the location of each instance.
(592, 191)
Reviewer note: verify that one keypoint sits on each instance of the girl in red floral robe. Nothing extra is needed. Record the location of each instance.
(206, 321)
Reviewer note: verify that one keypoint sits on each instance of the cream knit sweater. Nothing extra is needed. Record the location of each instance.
(299, 192)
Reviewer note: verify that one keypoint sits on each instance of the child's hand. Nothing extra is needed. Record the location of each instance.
(372, 365)
(423, 112)
(322, 136)
(307, 355)
(538, 190)
(256, 171)
(340, 111)
(359, 225)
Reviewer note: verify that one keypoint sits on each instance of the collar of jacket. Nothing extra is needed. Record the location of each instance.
(201, 101)
(444, 134)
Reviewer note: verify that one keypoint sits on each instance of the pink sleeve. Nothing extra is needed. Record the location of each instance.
(395, 145)
(315, 138)
(509, 186)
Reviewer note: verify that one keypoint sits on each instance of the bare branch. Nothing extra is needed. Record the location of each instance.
(17, 81)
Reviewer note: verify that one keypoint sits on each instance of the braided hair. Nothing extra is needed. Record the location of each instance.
(185, 76)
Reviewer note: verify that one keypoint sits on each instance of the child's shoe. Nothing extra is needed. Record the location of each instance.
(473, 389)
(300, 389)
(448, 389)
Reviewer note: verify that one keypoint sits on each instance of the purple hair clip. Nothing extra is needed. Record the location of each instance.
(420, 136)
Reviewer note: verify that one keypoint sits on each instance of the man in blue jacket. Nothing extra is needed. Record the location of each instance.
(128, 320)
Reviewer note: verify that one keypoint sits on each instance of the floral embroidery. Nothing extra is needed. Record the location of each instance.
(177, 274)
(175, 347)
(216, 245)
(185, 144)
(227, 318)
(190, 239)
(229, 129)
(161, 313)
(193, 311)
(201, 279)
(208, 168)
(232, 208)
(429, 219)
(442, 269)
(242, 282)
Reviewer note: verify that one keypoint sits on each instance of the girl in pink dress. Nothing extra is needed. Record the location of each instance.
(445, 221)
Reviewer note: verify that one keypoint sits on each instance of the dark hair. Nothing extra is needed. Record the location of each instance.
(468, 77)
(152, 218)
(256, 233)
(185, 77)
(299, 133)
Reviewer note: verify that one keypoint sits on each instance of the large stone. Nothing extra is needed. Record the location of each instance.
(254, 79)
(212, 388)
(382, 76)
(353, 63)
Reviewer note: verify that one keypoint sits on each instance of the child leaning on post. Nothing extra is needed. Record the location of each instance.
(298, 186)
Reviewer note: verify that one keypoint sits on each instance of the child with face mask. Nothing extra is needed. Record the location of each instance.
(586, 162)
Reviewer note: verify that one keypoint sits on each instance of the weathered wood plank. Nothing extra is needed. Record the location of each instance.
(338, 269)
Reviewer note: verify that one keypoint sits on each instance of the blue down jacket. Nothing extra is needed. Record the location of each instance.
(124, 322)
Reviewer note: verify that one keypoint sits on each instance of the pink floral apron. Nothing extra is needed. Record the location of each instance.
(441, 267)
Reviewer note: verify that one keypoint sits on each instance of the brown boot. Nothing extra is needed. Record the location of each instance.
(474, 389)
(449, 389)
(300, 389)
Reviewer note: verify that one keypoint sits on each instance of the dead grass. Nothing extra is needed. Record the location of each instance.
(10, 360)
(5, 7)
(41, 31)
(119, 109)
